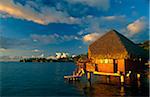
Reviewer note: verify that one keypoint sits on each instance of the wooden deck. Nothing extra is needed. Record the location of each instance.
(109, 74)
(72, 76)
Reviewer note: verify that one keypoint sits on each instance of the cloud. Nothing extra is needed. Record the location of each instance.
(46, 39)
(6, 54)
(114, 18)
(6, 42)
(91, 37)
(100, 4)
(101, 24)
(137, 26)
(36, 50)
(3, 50)
(97, 26)
(44, 15)
(17, 50)
(53, 38)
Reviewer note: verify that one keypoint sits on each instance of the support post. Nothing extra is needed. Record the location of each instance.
(138, 76)
(108, 79)
(122, 92)
(122, 79)
(89, 78)
(73, 75)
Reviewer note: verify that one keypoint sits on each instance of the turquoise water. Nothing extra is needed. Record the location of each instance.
(46, 79)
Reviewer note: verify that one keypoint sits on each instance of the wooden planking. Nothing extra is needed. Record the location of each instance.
(103, 73)
(75, 76)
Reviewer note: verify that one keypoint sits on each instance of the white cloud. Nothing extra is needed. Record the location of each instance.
(137, 26)
(46, 39)
(8, 54)
(3, 50)
(91, 37)
(44, 16)
(36, 50)
(101, 24)
(53, 38)
(100, 4)
(114, 18)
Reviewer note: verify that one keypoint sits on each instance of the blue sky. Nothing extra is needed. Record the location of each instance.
(33, 27)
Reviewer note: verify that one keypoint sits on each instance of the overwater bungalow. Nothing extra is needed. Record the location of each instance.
(114, 55)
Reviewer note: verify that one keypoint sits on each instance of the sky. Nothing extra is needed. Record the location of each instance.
(34, 27)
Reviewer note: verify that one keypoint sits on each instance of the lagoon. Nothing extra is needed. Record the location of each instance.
(46, 79)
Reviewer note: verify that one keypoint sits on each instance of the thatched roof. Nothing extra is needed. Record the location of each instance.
(114, 45)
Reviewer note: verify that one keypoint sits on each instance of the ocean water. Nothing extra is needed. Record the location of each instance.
(46, 79)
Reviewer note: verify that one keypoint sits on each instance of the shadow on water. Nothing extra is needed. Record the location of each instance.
(100, 89)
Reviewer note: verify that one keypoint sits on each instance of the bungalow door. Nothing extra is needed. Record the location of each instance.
(115, 66)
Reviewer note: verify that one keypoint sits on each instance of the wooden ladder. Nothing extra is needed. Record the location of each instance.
(76, 75)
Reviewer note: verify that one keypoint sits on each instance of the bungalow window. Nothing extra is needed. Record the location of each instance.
(111, 61)
(101, 60)
(106, 60)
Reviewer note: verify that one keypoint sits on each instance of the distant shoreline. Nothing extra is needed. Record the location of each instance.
(47, 60)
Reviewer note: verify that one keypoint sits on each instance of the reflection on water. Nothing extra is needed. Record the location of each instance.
(100, 89)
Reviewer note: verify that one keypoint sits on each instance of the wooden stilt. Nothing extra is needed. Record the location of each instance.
(122, 79)
(89, 78)
(138, 76)
(108, 79)
(122, 92)
(73, 75)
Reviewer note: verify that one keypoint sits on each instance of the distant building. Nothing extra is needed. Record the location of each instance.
(73, 56)
(58, 55)
(62, 55)
(51, 57)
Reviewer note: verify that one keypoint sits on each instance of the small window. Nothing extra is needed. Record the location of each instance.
(110, 60)
(101, 60)
(106, 60)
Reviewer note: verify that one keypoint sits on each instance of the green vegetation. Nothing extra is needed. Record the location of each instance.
(46, 60)
(80, 57)
(68, 59)
(145, 45)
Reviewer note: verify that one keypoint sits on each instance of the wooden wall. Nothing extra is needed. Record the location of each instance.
(121, 65)
(90, 67)
(107, 66)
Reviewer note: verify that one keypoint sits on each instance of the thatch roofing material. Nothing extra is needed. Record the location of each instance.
(114, 45)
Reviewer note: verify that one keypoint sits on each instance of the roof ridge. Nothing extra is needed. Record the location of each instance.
(129, 52)
(118, 35)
